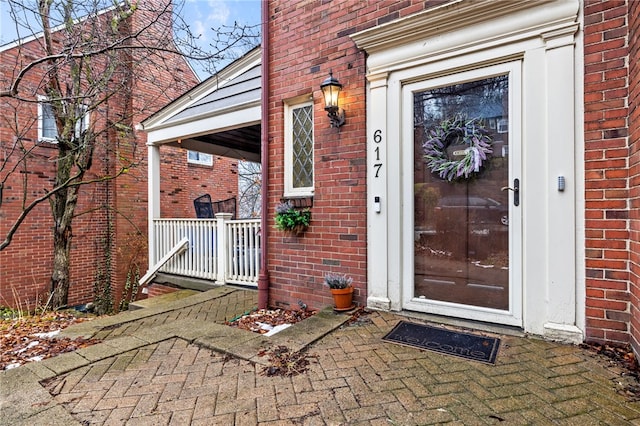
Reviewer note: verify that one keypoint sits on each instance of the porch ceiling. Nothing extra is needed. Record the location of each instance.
(242, 143)
(246, 139)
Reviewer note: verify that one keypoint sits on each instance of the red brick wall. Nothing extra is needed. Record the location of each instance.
(307, 40)
(25, 266)
(607, 182)
(116, 225)
(156, 289)
(634, 174)
(182, 182)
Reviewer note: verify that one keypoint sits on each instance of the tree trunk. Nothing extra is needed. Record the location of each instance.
(63, 205)
(60, 279)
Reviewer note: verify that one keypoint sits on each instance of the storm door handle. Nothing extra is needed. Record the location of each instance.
(516, 191)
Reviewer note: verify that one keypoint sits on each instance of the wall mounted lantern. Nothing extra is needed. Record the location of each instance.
(331, 90)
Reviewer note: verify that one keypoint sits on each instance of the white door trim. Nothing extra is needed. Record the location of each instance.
(469, 34)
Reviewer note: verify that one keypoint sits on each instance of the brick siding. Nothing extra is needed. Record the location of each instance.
(607, 172)
(308, 39)
(115, 220)
(156, 289)
(634, 174)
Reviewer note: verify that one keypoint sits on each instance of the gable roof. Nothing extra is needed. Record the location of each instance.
(220, 116)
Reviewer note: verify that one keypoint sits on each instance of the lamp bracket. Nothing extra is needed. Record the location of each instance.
(337, 118)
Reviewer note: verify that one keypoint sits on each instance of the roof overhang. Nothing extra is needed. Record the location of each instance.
(220, 116)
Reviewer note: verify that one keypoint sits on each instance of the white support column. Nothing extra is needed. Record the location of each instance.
(561, 303)
(153, 203)
(377, 175)
(533, 192)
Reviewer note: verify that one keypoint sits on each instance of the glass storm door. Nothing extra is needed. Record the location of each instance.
(466, 197)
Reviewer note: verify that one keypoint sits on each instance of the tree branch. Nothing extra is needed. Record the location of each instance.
(68, 183)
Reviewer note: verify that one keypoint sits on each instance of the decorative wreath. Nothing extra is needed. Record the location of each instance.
(457, 131)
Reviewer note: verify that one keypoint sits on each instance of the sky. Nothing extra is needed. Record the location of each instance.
(201, 14)
(207, 14)
(211, 13)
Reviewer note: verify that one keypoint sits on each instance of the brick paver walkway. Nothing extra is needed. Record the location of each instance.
(354, 378)
(216, 310)
(172, 382)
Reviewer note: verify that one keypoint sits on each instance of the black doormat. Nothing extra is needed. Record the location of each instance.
(463, 345)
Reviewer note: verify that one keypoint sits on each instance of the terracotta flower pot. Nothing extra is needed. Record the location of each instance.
(342, 298)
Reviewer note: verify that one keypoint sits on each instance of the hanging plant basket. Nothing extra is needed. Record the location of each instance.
(457, 148)
(297, 230)
(292, 220)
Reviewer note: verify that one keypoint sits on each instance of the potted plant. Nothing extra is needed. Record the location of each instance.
(341, 290)
(288, 218)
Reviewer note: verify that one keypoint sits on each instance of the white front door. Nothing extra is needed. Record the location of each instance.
(461, 144)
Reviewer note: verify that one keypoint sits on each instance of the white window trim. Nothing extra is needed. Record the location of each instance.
(289, 106)
(202, 162)
(42, 100)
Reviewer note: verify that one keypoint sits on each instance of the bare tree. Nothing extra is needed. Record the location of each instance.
(249, 189)
(79, 63)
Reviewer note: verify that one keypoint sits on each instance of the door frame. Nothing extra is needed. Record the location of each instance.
(469, 34)
(512, 316)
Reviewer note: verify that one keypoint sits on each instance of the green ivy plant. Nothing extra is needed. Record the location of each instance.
(288, 218)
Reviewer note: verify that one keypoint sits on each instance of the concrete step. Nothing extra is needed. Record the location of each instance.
(163, 298)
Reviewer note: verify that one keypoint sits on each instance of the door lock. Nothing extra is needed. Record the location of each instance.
(516, 191)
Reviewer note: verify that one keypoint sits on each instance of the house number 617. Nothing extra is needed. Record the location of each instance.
(377, 138)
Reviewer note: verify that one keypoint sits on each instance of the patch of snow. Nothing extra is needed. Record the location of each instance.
(264, 326)
(29, 346)
(47, 335)
(277, 329)
(477, 263)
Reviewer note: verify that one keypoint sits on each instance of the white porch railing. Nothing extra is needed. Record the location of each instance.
(227, 251)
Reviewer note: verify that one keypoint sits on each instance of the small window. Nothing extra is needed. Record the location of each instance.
(196, 157)
(47, 130)
(299, 179)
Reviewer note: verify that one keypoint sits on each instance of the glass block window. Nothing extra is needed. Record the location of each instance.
(299, 149)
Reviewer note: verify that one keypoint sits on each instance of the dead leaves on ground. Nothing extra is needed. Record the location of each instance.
(282, 361)
(32, 338)
(628, 383)
(253, 321)
(359, 317)
(286, 363)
